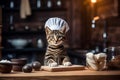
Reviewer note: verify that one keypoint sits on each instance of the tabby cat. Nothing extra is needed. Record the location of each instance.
(56, 53)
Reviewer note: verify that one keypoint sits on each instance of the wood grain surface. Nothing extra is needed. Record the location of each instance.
(63, 68)
(63, 75)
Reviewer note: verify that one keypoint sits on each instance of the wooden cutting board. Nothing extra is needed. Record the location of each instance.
(63, 68)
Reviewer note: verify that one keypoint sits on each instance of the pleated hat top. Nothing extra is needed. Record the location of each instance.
(56, 23)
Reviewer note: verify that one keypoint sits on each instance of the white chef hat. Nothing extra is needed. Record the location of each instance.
(56, 23)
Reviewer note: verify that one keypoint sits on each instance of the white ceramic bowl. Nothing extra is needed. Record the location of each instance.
(19, 43)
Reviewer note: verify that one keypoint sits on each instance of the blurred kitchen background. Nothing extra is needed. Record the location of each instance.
(94, 26)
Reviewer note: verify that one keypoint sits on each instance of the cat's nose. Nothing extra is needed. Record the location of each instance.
(56, 41)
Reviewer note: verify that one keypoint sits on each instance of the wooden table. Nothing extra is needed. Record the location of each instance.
(66, 75)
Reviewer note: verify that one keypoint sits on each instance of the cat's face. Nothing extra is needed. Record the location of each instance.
(55, 37)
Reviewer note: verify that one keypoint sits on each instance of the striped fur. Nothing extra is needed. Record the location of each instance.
(55, 52)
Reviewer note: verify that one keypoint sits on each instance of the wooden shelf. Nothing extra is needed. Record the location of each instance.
(24, 50)
(49, 9)
(23, 32)
(37, 9)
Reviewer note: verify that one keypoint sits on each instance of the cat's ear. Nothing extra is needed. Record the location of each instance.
(63, 29)
(48, 30)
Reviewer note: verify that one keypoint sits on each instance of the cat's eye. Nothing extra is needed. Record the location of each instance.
(61, 37)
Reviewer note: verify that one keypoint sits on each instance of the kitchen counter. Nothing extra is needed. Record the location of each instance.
(64, 75)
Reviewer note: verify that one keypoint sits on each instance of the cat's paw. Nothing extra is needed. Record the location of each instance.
(53, 64)
(67, 64)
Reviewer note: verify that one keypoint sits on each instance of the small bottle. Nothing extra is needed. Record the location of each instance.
(11, 4)
(11, 23)
(96, 49)
(27, 28)
(12, 28)
(38, 3)
(11, 19)
(112, 53)
(39, 43)
(59, 3)
(49, 4)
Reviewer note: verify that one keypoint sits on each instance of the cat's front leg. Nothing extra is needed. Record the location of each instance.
(52, 63)
(66, 62)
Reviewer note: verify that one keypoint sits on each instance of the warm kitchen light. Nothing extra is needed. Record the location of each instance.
(94, 21)
(93, 1)
(96, 18)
